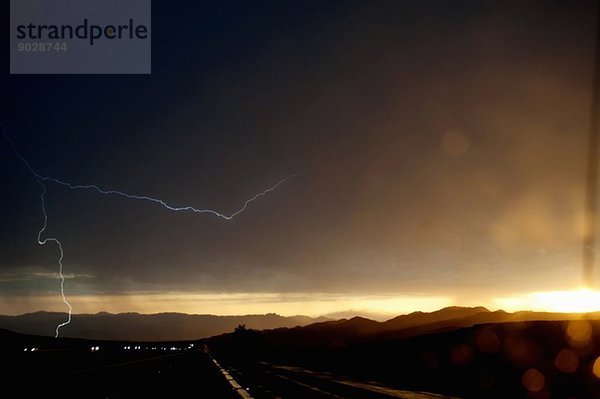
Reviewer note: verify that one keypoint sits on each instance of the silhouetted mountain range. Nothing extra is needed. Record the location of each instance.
(346, 332)
(145, 327)
(285, 331)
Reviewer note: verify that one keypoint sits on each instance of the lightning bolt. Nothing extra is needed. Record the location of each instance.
(161, 202)
(41, 180)
(60, 259)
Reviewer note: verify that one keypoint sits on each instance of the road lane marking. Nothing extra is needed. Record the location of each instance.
(234, 384)
(312, 388)
(371, 387)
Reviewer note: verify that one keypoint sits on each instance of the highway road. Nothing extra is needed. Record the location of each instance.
(268, 381)
(186, 374)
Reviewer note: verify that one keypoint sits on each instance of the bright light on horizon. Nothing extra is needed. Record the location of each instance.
(581, 300)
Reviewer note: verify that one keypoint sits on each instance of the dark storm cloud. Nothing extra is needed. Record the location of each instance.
(440, 145)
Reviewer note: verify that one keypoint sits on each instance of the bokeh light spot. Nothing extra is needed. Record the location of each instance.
(533, 380)
(596, 367)
(461, 355)
(567, 361)
(579, 333)
(488, 341)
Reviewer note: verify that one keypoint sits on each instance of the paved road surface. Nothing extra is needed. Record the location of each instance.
(188, 374)
(183, 374)
(267, 381)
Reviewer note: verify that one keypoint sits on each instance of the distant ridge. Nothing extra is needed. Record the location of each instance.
(357, 330)
(301, 331)
(145, 327)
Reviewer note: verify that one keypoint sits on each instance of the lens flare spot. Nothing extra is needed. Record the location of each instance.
(567, 361)
(488, 341)
(579, 333)
(533, 380)
(596, 367)
(461, 355)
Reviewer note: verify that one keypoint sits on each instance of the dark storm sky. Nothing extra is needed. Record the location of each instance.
(441, 148)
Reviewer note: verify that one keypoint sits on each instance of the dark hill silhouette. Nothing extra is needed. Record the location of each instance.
(420, 318)
(331, 333)
(347, 332)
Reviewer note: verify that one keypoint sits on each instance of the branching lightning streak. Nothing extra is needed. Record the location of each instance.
(60, 259)
(42, 241)
(161, 202)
